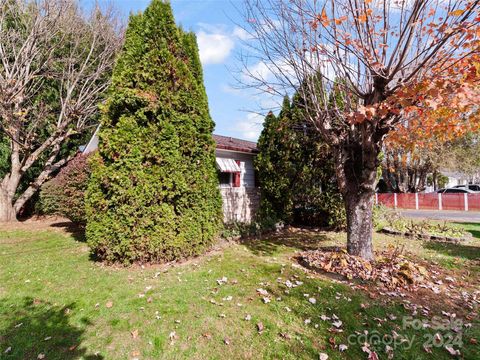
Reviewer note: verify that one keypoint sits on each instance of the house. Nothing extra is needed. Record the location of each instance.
(236, 175)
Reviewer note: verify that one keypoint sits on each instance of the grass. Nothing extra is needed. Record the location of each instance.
(56, 301)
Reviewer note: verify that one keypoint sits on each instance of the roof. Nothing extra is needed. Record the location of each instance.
(233, 144)
(223, 143)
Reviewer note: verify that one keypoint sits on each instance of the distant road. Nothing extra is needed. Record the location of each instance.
(465, 216)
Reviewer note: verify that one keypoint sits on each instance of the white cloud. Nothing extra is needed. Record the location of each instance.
(214, 48)
(250, 127)
(216, 42)
(261, 71)
(241, 33)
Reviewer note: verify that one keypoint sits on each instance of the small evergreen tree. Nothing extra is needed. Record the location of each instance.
(295, 169)
(153, 194)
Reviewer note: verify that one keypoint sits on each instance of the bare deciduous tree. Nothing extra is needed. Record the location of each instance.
(379, 58)
(55, 64)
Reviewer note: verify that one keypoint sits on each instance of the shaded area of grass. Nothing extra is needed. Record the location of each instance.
(31, 327)
(275, 243)
(473, 228)
(77, 231)
(468, 252)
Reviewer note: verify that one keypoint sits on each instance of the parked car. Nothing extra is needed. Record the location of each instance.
(455, 191)
(473, 187)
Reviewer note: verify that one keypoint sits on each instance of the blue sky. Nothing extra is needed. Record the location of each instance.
(220, 40)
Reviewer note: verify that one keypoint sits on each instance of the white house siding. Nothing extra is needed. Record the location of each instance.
(247, 177)
(239, 204)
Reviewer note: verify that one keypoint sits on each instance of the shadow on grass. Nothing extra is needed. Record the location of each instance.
(468, 227)
(77, 231)
(34, 327)
(467, 252)
(272, 243)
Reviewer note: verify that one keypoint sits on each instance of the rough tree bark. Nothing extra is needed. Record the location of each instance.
(357, 161)
(7, 211)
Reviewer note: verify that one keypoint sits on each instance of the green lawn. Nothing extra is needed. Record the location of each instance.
(56, 301)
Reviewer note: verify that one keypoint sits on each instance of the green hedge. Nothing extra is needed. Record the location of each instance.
(153, 194)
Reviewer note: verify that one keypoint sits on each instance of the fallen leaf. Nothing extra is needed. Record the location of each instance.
(452, 351)
(389, 351)
(260, 327)
(221, 281)
(428, 349)
(109, 304)
(337, 324)
(134, 333)
(262, 292)
(172, 336)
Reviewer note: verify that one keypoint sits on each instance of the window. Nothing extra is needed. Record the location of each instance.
(224, 178)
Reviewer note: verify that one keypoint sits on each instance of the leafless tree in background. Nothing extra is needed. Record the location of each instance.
(370, 59)
(55, 65)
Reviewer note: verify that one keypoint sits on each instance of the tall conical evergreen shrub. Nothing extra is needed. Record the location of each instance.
(296, 171)
(153, 194)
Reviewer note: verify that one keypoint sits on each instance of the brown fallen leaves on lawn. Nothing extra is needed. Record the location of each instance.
(392, 271)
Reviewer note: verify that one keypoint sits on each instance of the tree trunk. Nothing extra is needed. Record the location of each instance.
(359, 225)
(357, 161)
(7, 211)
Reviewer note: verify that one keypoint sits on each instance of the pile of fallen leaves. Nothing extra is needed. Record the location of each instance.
(390, 268)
